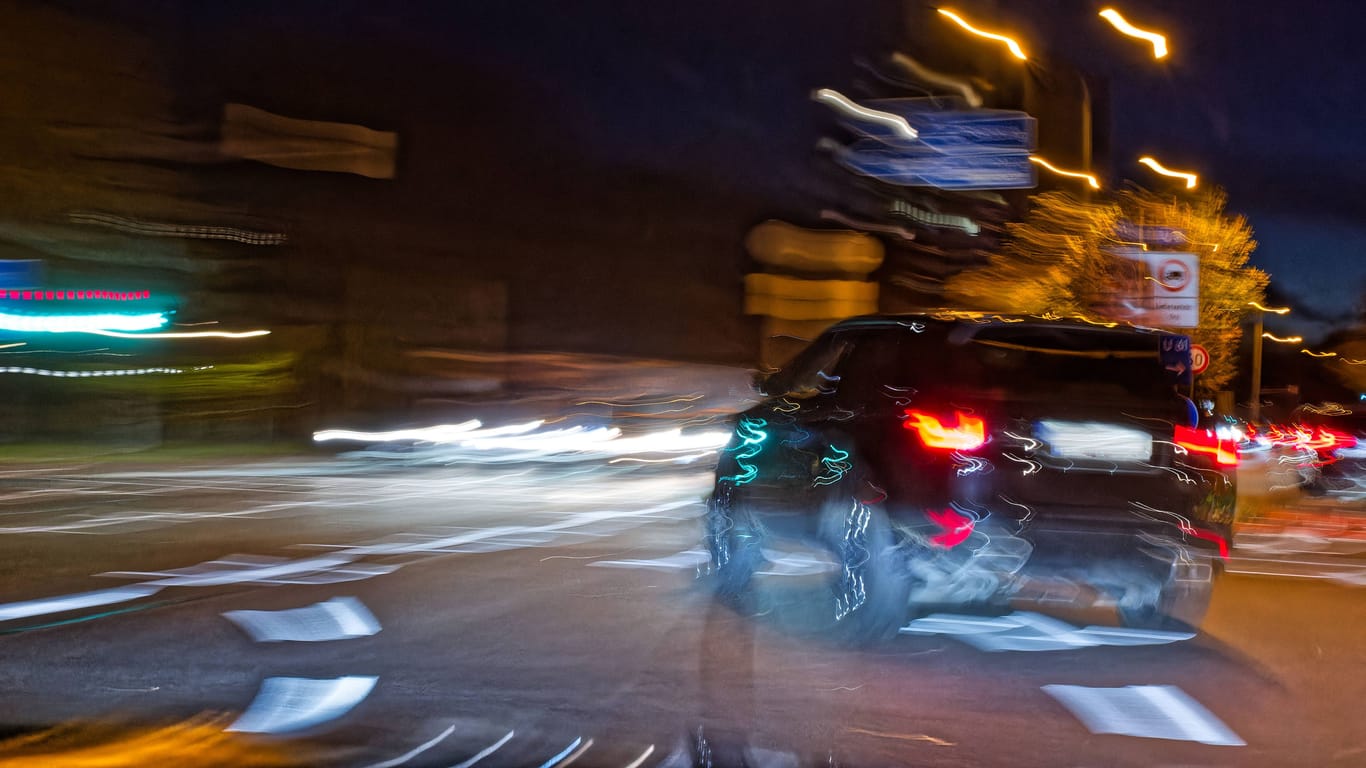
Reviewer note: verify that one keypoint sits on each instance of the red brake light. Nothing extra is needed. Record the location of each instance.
(956, 526)
(1224, 451)
(964, 434)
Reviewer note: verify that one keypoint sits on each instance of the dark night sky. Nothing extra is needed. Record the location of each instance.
(1262, 98)
(1265, 99)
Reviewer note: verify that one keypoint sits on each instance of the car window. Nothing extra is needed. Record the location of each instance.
(815, 370)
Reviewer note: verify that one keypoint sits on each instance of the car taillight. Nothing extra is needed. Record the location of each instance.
(964, 433)
(1329, 440)
(1224, 451)
(955, 527)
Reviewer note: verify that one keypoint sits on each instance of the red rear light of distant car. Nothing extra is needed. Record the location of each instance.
(964, 432)
(1326, 440)
(1224, 451)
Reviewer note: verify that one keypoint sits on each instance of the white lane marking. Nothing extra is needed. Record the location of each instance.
(293, 703)
(1145, 711)
(686, 560)
(565, 758)
(636, 763)
(28, 608)
(340, 618)
(1027, 631)
(410, 754)
(486, 751)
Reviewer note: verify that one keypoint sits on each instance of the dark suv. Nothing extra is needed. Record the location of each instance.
(964, 460)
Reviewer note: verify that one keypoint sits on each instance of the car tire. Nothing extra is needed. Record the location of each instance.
(868, 598)
(733, 543)
(1178, 606)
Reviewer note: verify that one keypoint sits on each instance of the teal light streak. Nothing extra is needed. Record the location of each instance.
(836, 467)
(752, 437)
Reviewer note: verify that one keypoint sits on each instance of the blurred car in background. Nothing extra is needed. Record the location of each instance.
(1273, 459)
(958, 460)
(1337, 436)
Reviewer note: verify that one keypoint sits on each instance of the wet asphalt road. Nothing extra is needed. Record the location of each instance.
(560, 603)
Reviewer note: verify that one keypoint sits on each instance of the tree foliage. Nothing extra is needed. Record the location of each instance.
(1058, 261)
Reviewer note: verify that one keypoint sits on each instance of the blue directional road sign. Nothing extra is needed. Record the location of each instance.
(949, 127)
(984, 171)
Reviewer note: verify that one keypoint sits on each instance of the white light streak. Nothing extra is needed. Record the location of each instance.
(486, 751)
(415, 751)
(89, 374)
(184, 334)
(842, 103)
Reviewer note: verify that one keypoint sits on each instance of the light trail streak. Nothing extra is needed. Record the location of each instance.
(842, 103)
(1014, 47)
(409, 755)
(1091, 180)
(1156, 166)
(1159, 42)
(497, 745)
(184, 334)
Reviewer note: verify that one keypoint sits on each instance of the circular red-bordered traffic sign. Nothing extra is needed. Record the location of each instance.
(1175, 267)
(1199, 358)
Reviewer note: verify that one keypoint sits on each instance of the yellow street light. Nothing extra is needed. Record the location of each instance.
(1156, 166)
(1276, 310)
(1286, 340)
(1312, 353)
(1011, 44)
(1095, 184)
(1159, 41)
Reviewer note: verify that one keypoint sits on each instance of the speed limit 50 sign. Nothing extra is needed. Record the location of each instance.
(1199, 358)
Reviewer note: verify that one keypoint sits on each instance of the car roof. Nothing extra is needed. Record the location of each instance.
(995, 319)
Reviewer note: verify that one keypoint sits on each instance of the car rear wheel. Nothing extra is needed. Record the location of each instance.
(867, 597)
(1173, 605)
(733, 541)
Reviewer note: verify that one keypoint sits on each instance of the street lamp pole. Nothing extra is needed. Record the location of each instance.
(1256, 409)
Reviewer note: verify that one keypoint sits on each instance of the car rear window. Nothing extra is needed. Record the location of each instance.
(1035, 361)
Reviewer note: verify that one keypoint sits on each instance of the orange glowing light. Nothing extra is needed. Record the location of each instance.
(967, 432)
(1190, 178)
(1011, 44)
(1092, 180)
(1159, 41)
(1277, 310)
(1286, 340)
